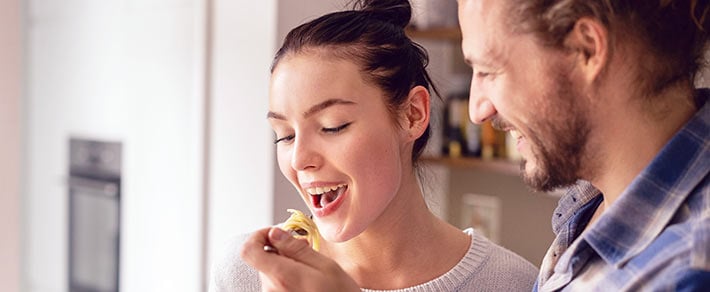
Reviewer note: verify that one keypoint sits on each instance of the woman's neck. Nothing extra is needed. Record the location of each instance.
(407, 245)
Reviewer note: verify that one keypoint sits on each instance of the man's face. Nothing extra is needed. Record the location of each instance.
(527, 90)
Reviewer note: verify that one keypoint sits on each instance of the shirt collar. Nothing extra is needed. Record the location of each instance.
(646, 207)
(573, 200)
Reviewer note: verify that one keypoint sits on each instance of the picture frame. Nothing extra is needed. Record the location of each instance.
(482, 213)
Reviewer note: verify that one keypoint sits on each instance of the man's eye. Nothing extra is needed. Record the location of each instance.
(336, 129)
(481, 74)
(288, 138)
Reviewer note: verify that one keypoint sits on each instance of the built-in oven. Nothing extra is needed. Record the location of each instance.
(94, 215)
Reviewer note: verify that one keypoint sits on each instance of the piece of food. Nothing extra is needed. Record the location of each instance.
(301, 226)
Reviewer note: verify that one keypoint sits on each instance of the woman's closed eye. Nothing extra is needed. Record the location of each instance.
(285, 139)
(290, 138)
(336, 129)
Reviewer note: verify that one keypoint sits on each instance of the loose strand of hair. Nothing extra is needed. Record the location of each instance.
(699, 22)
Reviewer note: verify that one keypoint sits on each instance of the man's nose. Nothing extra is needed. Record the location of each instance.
(480, 108)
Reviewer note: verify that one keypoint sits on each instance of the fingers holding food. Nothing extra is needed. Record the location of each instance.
(302, 226)
(285, 259)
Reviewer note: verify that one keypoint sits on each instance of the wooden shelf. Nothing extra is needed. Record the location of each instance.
(443, 33)
(501, 166)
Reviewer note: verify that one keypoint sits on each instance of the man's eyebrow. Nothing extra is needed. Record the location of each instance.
(490, 57)
(314, 109)
(473, 61)
(468, 61)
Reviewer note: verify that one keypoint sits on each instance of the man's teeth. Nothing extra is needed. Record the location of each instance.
(515, 134)
(322, 190)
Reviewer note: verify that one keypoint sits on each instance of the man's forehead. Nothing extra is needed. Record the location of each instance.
(480, 5)
(483, 32)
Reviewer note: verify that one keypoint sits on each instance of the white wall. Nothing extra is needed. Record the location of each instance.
(10, 149)
(130, 71)
(241, 148)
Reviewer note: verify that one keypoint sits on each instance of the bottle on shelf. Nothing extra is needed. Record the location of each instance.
(453, 132)
(461, 136)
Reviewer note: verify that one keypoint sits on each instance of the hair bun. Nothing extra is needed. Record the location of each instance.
(396, 12)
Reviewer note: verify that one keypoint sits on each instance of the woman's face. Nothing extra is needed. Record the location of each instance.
(336, 142)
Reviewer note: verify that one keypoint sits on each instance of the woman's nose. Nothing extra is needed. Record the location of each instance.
(480, 108)
(305, 156)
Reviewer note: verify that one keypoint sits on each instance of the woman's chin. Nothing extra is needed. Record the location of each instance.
(328, 231)
(336, 234)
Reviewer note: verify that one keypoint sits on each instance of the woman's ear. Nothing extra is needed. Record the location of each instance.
(417, 112)
(590, 38)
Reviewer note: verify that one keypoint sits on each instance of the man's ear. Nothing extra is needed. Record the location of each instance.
(590, 39)
(417, 113)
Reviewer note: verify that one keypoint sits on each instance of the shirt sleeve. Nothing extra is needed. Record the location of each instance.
(230, 273)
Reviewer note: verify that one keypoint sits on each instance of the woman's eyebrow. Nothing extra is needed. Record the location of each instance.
(326, 104)
(314, 109)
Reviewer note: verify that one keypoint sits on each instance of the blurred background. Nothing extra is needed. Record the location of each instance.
(135, 143)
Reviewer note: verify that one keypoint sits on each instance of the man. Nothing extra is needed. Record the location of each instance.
(600, 95)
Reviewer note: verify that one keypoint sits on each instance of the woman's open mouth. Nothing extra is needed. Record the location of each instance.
(323, 196)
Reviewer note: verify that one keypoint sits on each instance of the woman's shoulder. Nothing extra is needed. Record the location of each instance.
(502, 268)
(229, 272)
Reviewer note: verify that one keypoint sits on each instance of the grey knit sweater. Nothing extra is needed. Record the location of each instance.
(485, 267)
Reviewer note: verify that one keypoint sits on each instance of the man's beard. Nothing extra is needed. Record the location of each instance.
(557, 139)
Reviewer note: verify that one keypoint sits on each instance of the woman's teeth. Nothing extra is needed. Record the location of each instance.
(321, 190)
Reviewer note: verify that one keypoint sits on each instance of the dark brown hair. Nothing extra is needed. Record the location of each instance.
(673, 33)
(372, 35)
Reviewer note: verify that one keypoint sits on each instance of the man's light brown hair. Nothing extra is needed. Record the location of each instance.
(672, 34)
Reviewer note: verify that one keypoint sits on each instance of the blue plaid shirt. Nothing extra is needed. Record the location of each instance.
(655, 237)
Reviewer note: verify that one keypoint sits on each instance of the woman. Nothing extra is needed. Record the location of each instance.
(349, 104)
